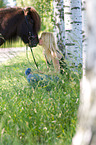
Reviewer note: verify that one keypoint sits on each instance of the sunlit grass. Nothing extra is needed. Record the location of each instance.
(12, 43)
(31, 116)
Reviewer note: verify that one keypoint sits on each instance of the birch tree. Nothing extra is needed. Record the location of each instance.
(86, 128)
(59, 27)
(73, 31)
(84, 34)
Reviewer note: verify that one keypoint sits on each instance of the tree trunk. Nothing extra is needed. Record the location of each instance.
(73, 31)
(84, 34)
(59, 27)
(86, 128)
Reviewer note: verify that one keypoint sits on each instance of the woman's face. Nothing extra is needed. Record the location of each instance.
(40, 41)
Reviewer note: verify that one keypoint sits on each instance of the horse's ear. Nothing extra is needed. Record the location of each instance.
(27, 11)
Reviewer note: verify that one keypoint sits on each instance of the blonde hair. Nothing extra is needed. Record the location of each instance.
(51, 50)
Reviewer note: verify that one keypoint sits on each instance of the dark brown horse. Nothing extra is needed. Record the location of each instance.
(24, 23)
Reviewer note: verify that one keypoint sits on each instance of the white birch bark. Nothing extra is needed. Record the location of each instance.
(84, 34)
(73, 31)
(86, 128)
(59, 29)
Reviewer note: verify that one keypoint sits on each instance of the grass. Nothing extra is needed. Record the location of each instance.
(12, 43)
(31, 116)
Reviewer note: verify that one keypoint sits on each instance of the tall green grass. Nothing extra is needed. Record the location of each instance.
(31, 116)
(12, 43)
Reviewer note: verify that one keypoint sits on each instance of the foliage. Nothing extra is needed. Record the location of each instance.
(45, 10)
(3, 3)
(36, 116)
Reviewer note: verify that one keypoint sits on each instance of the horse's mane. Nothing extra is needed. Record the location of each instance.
(10, 12)
(10, 9)
(31, 11)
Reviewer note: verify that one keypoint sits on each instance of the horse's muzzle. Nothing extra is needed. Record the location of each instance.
(33, 41)
(32, 45)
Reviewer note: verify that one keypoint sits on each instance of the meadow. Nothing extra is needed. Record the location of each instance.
(37, 116)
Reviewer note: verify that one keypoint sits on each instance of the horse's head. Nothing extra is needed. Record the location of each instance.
(30, 27)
